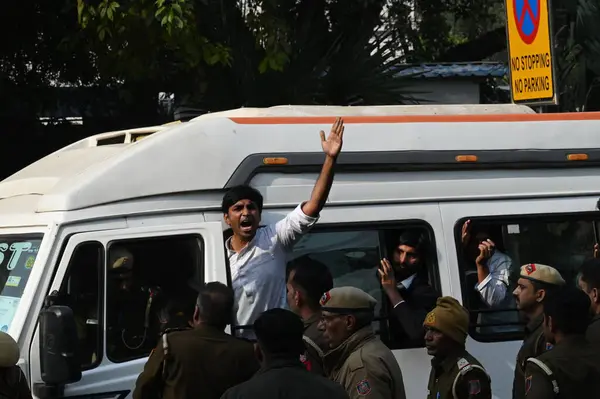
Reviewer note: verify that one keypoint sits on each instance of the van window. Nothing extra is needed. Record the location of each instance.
(17, 257)
(560, 241)
(82, 290)
(353, 256)
(152, 285)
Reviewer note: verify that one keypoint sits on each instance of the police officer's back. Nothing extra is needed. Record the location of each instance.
(571, 369)
(359, 361)
(536, 282)
(282, 375)
(455, 374)
(202, 362)
(12, 380)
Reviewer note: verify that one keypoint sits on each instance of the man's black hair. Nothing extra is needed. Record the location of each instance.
(279, 333)
(238, 193)
(569, 309)
(215, 304)
(590, 273)
(312, 277)
(550, 289)
(414, 239)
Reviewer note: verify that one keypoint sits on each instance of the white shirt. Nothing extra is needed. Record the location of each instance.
(494, 293)
(406, 285)
(258, 270)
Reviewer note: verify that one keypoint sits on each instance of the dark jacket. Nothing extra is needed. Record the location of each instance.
(13, 384)
(593, 331)
(572, 368)
(534, 345)
(316, 346)
(458, 377)
(286, 379)
(200, 363)
(406, 323)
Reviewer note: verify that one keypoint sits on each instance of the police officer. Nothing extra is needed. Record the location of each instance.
(455, 374)
(202, 362)
(307, 281)
(589, 282)
(358, 361)
(13, 383)
(572, 368)
(536, 282)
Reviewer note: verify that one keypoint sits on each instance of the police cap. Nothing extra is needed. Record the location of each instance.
(542, 274)
(9, 350)
(347, 300)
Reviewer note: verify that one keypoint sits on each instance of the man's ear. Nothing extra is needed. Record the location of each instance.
(595, 295)
(350, 322)
(258, 353)
(540, 295)
(226, 219)
(196, 315)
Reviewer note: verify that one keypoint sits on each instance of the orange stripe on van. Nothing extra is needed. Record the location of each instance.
(300, 120)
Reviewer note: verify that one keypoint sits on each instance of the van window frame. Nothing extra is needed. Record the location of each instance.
(101, 294)
(591, 216)
(382, 227)
(198, 269)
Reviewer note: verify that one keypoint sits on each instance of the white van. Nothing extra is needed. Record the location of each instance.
(532, 181)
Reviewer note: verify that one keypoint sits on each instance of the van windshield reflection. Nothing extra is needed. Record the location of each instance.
(17, 258)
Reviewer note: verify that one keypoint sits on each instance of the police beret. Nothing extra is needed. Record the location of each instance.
(449, 317)
(9, 350)
(541, 273)
(347, 300)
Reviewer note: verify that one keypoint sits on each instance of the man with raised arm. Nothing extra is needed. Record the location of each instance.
(258, 255)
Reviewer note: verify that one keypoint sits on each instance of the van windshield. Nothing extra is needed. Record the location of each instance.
(17, 256)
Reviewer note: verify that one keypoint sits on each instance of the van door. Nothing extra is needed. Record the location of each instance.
(560, 232)
(107, 277)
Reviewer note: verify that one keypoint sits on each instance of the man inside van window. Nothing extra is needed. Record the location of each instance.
(406, 285)
(258, 255)
(493, 271)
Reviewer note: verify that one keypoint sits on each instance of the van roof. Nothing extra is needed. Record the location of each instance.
(216, 150)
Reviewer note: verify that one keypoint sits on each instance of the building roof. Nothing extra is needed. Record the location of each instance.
(457, 70)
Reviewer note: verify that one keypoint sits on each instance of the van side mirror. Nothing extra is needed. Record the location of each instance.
(59, 346)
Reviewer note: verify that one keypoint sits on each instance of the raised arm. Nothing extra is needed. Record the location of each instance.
(332, 146)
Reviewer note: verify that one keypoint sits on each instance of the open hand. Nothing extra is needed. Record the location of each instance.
(332, 145)
(466, 233)
(486, 250)
(388, 279)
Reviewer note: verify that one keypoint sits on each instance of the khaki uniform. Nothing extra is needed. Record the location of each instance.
(458, 377)
(535, 342)
(593, 331)
(455, 374)
(533, 346)
(570, 370)
(365, 367)
(316, 346)
(196, 363)
(362, 364)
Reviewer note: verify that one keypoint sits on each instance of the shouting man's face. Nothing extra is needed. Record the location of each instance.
(243, 217)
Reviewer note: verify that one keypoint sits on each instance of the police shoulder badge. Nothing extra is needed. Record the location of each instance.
(325, 298)
(363, 387)
(527, 384)
(474, 387)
